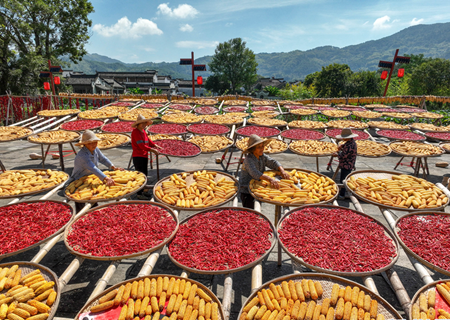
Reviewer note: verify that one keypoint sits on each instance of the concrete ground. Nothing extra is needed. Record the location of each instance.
(14, 155)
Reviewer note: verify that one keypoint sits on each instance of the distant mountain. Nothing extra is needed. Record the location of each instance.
(430, 40)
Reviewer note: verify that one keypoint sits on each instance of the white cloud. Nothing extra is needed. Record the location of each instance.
(197, 44)
(228, 24)
(183, 11)
(381, 23)
(126, 29)
(415, 22)
(149, 49)
(186, 28)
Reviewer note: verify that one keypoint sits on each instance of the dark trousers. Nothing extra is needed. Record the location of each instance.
(141, 165)
(247, 200)
(344, 174)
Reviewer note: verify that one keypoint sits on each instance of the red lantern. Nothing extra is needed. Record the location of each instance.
(46, 86)
(401, 72)
(384, 75)
(57, 80)
(199, 80)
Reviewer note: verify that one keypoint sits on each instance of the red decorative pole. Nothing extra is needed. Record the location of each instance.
(193, 81)
(195, 67)
(391, 65)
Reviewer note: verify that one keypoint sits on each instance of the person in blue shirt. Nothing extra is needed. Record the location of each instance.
(87, 161)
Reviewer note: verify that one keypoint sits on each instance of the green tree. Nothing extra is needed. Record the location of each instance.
(365, 84)
(215, 83)
(234, 64)
(430, 78)
(333, 81)
(273, 91)
(310, 78)
(33, 31)
(295, 92)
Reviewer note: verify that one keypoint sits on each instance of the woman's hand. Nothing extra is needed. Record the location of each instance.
(274, 183)
(109, 181)
(117, 168)
(285, 175)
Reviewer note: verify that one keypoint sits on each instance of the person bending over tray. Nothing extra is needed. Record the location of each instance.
(141, 145)
(253, 168)
(87, 160)
(346, 155)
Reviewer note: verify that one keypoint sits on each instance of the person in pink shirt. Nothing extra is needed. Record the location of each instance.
(141, 145)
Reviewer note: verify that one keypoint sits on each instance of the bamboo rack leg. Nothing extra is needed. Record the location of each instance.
(399, 290)
(129, 162)
(335, 173)
(277, 218)
(184, 274)
(256, 277)
(45, 249)
(103, 282)
(398, 163)
(70, 271)
(73, 148)
(444, 189)
(227, 295)
(239, 164)
(317, 163)
(369, 283)
(61, 156)
(44, 155)
(150, 263)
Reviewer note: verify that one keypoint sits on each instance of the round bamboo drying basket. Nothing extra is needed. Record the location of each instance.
(436, 138)
(425, 289)
(77, 138)
(84, 312)
(210, 134)
(75, 112)
(49, 275)
(247, 266)
(330, 271)
(382, 175)
(43, 240)
(442, 146)
(103, 128)
(415, 155)
(230, 144)
(327, 281)
(399, 139)
(314, 130)
(93, 128)
(175, 156)
(189, 180)
(128, 140)
(30, 132)
(278, 131)
(137, 254)
(308, 154)
(412, 253)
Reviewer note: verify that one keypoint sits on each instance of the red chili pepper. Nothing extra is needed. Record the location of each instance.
(293, 107)
(182, 107)
(387, 110)
(361, 134)
(150, 106)
(119, 126)
(122, 104)
(221, 239)
(121, 230)
(427, 236)
(410, 110)
(353, 109)
(235, 109)
(323, 108)
(25, 224)
(263, 108)
(167, 128)
(302, 134)
(400, 134)
(208, 128)
(337, 239)
(177, 148)
(206, 110)
(260, 131)
(439, 135)
(80, 125)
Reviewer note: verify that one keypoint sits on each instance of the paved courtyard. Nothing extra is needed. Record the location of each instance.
(14, 155)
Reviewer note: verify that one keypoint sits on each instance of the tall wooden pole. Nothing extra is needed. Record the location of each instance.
(390, 73)
(193, 81)
(53, 83)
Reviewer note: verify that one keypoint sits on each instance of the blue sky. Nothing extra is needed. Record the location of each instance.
(156, 31)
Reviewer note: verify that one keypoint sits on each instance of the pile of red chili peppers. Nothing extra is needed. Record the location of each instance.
(150, 106)
(122, 104)
(120, 230)
(263, 108)
(208, 128)
(400, 134)
(410, 110)
(167, 128)
(337, 239)
(221, 240)
(119, 126)
(302, 134)
(353, 109)
(361, 134)
(80, 125)
(182, 107)
(178, 148)
(439, 135)
(235, 109)
(427, 236)
(387, 110)
(206, 110)
(322, 108)
(293, 107)
(25, 224)
(260, 131)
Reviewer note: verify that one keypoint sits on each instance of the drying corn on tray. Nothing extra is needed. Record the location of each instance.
(389, 189)
(196, 190)
(309, 295)
(54, 137)
(40, 299)
(12, 133)
(57, 113)
(153, 292)
(429, 301)
(273, 147)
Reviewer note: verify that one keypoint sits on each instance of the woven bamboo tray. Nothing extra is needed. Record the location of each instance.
(382, 175)
(171, 155)
(49, 275)
(397, 139)
(264, 125)
(190, 180)
(210, 134)
(327, 282)
(244, 135)
(170, 134)
(442, 146)
(94, 128)
(215, 151)
(316, 130)
(435, 138)
(38, 191)
(116, 145)
(203, 114)
(308, 154)
(137, 254)
(43, 240)
(375, 156)
(103, 131)
(374, 126)
(352, 121)
(238, 123)
(20, 138)
(84, 312)
(415, 155)
(387, 232)
(424, 289)
(54, 143)
(409, 251)
(273, 240)
(290, 204)
(60, 115)
(428, 130)
(281, 151)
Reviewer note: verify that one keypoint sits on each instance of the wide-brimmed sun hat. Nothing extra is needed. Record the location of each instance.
(87, 137)
(254, 140)
(346, 134)
(140, 119)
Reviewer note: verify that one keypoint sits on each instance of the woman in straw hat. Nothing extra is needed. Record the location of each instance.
(346, 155)
(253, 168)
(87, 161)
(141, 145)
